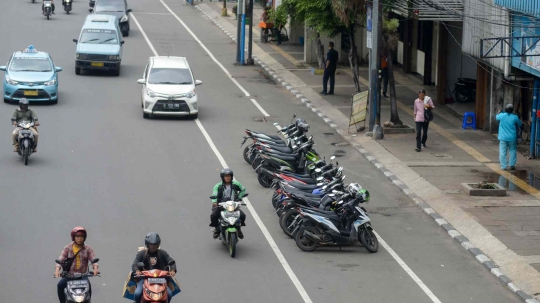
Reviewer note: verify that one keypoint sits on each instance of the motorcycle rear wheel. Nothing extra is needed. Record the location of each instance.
(232, 244)
(286, 220)
(264, 180)
(462, 96)
(369, 240)
(302, 242)
(255, 162)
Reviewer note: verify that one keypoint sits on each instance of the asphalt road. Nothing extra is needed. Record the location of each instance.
(103, 166)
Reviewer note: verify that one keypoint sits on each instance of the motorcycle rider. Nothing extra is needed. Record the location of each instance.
(23, 113)
(226, 190)
(77, 255)
(43, 7)
(153, 258)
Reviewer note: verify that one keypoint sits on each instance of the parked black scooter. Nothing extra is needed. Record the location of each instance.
(465, 90)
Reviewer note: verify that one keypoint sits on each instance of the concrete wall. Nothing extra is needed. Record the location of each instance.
(295, 30)
(310, 42)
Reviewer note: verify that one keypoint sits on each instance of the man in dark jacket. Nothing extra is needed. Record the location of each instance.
(153, 258)
(330, 69)
(226, 190)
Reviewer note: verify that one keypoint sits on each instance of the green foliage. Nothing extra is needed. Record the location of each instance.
(390, 25)
(279, 15)
(317, 15)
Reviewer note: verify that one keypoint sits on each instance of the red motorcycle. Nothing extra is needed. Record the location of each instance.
(155, 284)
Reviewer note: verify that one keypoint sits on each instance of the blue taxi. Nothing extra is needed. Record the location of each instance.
(30, 74)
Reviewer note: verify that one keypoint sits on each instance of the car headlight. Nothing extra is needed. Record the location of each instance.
(116, 57)
(191, 94)
(10, 81)
(81, 56)
(151, 93)
(124, 19)
(50, 82)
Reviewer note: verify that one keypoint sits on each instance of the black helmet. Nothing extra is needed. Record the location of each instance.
(23, 102)
(509, 108)
(226, 171)
(152, 238)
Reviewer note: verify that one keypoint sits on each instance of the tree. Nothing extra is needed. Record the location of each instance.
(350, 13)
(316, 15)
(390, 42)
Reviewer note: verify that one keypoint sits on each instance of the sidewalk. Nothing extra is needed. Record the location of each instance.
(503, 233)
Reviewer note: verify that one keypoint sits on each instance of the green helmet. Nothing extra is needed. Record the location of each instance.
(364, 194)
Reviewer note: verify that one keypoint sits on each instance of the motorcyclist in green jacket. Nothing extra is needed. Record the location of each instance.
(226, 190)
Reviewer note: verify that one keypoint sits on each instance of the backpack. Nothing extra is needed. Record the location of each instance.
(428, 115)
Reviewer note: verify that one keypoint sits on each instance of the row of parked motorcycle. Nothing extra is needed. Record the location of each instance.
(313, 204)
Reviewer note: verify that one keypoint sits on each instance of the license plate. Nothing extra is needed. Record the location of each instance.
(97, 64)
(156, 280)
(30, 92)
(78, 282)
(172, 106)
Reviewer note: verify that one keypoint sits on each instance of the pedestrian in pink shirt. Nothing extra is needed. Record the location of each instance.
(422, 115)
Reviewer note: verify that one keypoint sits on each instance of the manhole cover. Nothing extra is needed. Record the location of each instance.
(339, 151)
(328, 134)
(258, 119)
(442, 155)
(340, 144)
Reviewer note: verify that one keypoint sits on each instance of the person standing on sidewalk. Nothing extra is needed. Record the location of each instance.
(330, 70)
(277, 31)
(264, 31)
(421, 105)
(384, 74)
(509, 125)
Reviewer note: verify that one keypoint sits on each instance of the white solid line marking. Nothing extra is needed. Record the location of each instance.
(252, 210)
(260, 108)
(206, 49)
(408, 270)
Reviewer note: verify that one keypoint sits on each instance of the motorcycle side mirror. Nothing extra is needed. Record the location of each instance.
(58, 262)
(320, 178)
(245, 195)
(172, 262)
(213, 197)
(337, 163)
(140, 265)
(129, 10)
(95, 260)
(74, 40)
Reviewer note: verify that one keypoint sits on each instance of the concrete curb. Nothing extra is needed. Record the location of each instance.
(452, 232)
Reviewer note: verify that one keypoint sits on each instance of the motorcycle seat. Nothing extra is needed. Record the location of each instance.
(330, 214)
(301, 193)
(283, 149)
(301, 186)
(287, 158)
(271, 143)
(295, 175)
(264, 136)
(271, 151)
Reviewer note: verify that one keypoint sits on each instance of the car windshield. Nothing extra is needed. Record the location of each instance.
(99, 36)
(29, 64)
(110, 6)
(170, 76)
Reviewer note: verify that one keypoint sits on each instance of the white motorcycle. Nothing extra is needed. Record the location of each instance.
(25, 139)
(47, 7)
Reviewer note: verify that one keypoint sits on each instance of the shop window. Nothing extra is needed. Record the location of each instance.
(425, 32)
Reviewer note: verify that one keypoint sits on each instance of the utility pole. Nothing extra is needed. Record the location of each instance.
(243, 35)
(239, 10)
(250, 60)
(375, 68)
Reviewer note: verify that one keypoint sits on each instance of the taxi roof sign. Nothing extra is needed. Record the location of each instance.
(30, 49)
(100, 19)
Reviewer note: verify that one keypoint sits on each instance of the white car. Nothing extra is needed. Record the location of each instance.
(169, 88)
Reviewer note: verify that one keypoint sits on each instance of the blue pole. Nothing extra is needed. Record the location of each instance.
(243, 40)
(534, 132)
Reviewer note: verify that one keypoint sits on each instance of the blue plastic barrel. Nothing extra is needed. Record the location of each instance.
(301, 40)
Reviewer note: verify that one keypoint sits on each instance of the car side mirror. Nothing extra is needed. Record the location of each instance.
(95, 260)
(141, 81)
(122, 42)
(75, 40)
(198, 82)
(140, 265)
(58, 69)
(91, 10)
(129, 10)
(171, 262)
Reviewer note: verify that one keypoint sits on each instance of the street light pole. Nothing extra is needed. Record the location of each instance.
(250, 42)
(239, 11)
(375, 68)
